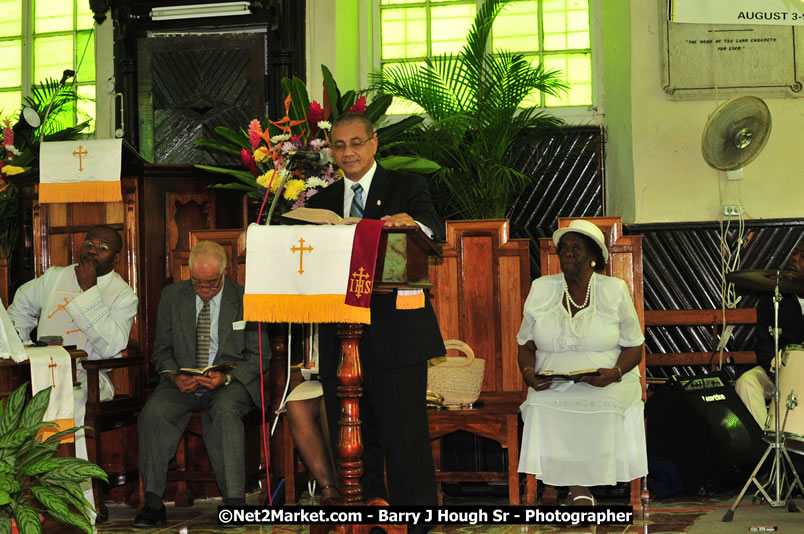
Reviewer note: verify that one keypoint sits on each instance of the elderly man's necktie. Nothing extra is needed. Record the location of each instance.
(357, 201)
(202, 337)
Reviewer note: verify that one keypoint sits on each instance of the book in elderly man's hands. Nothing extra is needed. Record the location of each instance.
(220, 368)
(318, 216)
(571, 375)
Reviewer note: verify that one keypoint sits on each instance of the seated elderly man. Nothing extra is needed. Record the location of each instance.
(200, 323)
(88, 305)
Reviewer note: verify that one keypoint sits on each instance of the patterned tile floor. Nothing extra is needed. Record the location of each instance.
(666, 517)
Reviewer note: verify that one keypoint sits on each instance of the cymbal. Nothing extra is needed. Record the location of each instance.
(765, 280)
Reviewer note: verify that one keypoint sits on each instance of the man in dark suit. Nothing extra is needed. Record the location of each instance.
(395, 348)
(200, 323)
(755, 386)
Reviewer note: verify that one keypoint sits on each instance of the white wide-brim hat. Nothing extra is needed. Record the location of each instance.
(586, 228)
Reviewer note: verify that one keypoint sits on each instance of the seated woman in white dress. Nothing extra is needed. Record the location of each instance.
(589, 432)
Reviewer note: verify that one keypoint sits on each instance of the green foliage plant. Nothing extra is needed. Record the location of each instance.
(475, 102)
(32, 479)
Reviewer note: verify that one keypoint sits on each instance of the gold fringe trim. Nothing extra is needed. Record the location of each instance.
(302, 309)
(64, 424)
(50, 192)
(410, 302)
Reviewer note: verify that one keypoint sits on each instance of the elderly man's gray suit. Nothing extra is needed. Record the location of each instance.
(167, 412)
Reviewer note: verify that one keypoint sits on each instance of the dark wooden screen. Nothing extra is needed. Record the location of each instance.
(188, 85)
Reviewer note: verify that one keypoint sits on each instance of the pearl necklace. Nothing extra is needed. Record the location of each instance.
(589, 297)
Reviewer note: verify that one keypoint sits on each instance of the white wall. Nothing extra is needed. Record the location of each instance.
(671, 181)
(104, 71)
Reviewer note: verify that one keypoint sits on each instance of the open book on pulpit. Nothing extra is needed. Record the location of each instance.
(318, 216)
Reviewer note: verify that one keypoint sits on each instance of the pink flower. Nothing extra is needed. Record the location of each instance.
(314, 115)
(248, 160)
(254, 133)
(359, 106)
(8, 134)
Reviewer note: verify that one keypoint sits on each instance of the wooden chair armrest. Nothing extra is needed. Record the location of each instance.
(114, 363)
(93, 368)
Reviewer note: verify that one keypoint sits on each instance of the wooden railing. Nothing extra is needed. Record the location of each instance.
(712, 318)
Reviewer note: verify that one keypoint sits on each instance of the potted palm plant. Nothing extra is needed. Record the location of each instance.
(34, 482)
(475, 101)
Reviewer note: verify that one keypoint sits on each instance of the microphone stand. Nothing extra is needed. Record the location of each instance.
(66, 74)
(293, 158)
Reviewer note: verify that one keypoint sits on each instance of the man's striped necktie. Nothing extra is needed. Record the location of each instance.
(202, 337)
(357, 201)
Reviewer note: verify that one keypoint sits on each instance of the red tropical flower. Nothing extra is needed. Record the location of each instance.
(314, 115)
(359, 106)
(248, 160)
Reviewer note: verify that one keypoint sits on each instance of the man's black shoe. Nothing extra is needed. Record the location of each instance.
(148, 517)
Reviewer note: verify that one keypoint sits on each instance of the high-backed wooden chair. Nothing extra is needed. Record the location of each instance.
(58, 231)
(480, 283)
(625, 262)
(190, 474)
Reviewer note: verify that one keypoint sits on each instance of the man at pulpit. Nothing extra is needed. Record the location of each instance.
(395, 348)
(200, 324)
(86, 304)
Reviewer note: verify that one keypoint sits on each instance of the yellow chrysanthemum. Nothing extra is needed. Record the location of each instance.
(261, 155)
(340, 174)
(11, 170)
(293, 188)
(265, 178)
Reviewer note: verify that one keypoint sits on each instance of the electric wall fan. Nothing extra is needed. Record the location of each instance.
(735, 134)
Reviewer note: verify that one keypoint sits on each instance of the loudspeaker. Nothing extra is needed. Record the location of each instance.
(701, 425)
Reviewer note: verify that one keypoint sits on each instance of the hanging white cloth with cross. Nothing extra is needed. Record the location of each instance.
(50, 367)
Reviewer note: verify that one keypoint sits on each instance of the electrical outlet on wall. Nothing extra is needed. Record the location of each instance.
(733, 210)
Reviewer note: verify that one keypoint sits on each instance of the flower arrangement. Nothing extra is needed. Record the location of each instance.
(9, 196)
(270, 162)
(265, 148)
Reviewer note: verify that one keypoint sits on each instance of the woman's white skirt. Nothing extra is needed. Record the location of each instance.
(584, 435)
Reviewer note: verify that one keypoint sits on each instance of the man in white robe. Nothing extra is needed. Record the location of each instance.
(89, 305)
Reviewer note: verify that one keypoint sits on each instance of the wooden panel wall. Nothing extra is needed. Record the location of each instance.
(481, 282)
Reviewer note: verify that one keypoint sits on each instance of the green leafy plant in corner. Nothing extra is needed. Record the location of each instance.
(32, 480)
(475, 101)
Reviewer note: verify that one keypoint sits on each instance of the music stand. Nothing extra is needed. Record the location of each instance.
(753, 280)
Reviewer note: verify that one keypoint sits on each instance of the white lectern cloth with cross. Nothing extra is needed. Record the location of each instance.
(81, 171)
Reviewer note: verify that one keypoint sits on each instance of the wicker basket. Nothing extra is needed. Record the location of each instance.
(458, 379)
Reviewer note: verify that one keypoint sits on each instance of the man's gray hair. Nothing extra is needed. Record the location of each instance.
(208, 249)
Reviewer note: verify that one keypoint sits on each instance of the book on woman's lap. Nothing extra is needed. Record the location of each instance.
(571, 375)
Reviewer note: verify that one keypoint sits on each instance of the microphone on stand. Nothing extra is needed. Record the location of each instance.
(322, 158)
(66, 74)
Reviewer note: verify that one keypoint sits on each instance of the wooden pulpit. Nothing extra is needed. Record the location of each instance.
(402, 263)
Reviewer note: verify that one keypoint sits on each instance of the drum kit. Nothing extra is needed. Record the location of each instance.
(787, 432)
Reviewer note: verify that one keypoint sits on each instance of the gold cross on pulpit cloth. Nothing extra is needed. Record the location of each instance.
(80, 152)
(301, 249)
(53, 365)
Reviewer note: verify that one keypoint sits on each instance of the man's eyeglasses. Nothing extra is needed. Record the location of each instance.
(206, 284)
(354, 144)
(103, 247)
